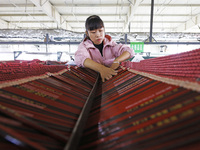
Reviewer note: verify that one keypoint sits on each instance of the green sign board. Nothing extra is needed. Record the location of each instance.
(138, 47)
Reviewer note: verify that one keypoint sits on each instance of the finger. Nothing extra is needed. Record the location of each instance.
(107, 78)
(110, 76)
(114, 73)
(113, 70)
(116, 70)
(103, 80)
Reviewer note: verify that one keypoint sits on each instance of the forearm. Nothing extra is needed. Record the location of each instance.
(88, 63)
(125, 55)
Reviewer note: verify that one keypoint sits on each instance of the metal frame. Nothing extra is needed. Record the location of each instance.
(59, 54)
(151, 21)
(16, 54)
(76, 43)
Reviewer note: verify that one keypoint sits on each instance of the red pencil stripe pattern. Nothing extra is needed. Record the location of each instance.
(41, 112)
(148, 115)
(137, 109)
(184, 66)
(153, 104)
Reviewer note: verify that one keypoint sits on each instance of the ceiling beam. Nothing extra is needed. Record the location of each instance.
(124, 15)
(125, 5)
(4, 24)
(100, 5)
(22, 15)
(171, 5)
(33, 21)
(105, 22)
(7, 25)
(92, 5)
(193, 21)
(133, 7)
(18, 5)
(14, 14)
(51, 12)
(131, 28)
(116, 21)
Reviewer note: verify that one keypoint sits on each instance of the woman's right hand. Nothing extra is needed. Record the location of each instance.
(107, 73)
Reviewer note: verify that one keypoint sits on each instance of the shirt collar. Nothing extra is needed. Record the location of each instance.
(107, 41)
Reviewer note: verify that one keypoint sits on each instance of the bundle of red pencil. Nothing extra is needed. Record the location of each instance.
(131, 111)
(153, 104)
(41, 114)
(184, 66)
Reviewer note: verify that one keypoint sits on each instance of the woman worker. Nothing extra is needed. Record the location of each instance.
(98, 52)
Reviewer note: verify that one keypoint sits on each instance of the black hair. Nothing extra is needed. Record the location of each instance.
(93, 22)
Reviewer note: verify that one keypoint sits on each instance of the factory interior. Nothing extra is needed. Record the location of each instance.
(139, 91)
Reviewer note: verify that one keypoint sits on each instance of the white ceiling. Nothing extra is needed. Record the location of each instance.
(169, 15)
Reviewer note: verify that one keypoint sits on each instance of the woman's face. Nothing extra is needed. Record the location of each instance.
(97, 35)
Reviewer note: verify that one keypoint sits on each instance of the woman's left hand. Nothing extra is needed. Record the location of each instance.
(114, 66)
